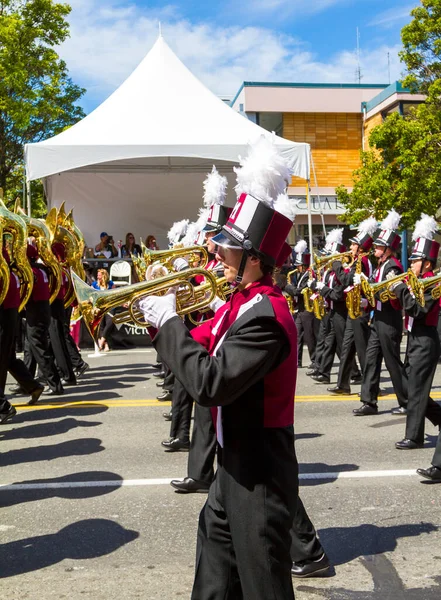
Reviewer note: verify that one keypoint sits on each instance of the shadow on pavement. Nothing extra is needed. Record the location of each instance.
(46, 414)
(387, 585)
(83, 540)
(308, 436)
(78, 447)
(15, 495)
(41, 430)
(330, 470)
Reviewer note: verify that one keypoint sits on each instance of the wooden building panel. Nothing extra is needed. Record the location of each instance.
(336, 141)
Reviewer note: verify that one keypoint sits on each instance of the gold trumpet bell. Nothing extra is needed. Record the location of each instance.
(94, 304)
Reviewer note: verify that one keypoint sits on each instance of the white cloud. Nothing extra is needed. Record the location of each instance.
(283, 8)
(389, 18)
(109, 39)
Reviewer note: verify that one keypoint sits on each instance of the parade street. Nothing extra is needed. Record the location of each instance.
(87, 511)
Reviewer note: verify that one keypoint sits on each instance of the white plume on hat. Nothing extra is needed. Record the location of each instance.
(335, 235)
(285, 206)
(215, 189)
(191, 235)
(426, 228)
(264, 173)
(300, 247)
(177, 230)
(368, 227)
(392, 221)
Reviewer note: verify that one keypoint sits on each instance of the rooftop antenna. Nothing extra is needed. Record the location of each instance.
(358, 74)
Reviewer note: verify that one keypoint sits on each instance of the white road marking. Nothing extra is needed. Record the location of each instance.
(145, 482)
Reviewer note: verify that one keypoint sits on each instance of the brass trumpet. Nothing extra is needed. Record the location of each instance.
(38, 229)
(167, 258)
(16, 227)
(322, 261)
(385, 293)
(94, 304)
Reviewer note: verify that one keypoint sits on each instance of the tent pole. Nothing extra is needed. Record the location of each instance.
(28, 190)
(23, 198)
(318, 196)
(308, 203)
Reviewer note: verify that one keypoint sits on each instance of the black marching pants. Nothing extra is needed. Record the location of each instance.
(436, 460)
(423, 351)
(384, 342)
(244, 534)
(304, 321)
(203, 446)
(58, 340)
(305, 544)
(182, 407)
(322, 333)
(355, 341)
(37, 349)
(8, 360)
(333, 342)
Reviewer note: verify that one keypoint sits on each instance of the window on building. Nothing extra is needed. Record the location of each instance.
(271, 122)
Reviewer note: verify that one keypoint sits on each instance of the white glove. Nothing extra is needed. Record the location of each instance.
(358, 278)
(320, 285)
(159, 309)
(364, 303)
(216, 304)
(310, 281)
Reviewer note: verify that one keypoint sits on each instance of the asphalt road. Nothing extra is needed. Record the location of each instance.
(87, 512)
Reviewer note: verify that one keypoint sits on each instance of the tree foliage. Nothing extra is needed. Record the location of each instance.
(403, 169)
(37, 97)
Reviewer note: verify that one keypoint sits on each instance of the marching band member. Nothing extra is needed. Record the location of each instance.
(243, 365)
(387, 330)
(423, 347)
(304, 320)
(357, 330)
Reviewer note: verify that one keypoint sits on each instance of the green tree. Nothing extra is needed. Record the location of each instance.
(37, 97)
(403, 169)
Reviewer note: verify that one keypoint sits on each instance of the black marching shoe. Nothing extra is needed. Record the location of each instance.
(399, 410)
(312, 568)
(175, 445)
(365, 409)
(7, 412)
(432, 473)
(339, 390)
(357, 379)
(312, 371)
(190, 486)
(160, 384)
(321, 378)
(35, 394)
(159, 374)
(167, 416)
(165, 396)
(408, 445)
(82, 369)
(69, 381)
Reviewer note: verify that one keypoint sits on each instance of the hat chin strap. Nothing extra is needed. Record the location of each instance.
(241, 270)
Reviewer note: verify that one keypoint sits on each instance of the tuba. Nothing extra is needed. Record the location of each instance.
(383, 288)
(94, 304)
(38, 229)
(15, 226)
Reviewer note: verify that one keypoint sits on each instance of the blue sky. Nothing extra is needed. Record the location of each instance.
(227, 42)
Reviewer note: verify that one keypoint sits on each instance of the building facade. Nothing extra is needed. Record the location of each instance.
(334, 119)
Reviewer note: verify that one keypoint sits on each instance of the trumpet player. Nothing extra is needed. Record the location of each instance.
(385, 339)
(357, 330)
(423, 346)
(243, 365)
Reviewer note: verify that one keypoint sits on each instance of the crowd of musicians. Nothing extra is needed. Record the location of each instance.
(232, 363)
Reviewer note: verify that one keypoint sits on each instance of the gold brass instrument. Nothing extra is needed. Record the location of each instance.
(16, 227)
(307, 293)
(38, 229)
(71, 226)
(322, 261)
(94, 304)
(385, 293)
(353, 297)
(167, 258)
(432, 281)
(4, 272)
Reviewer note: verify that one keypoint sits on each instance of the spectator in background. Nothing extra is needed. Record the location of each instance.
(106, 327)
(106, 247)
(150, 243)
(130, 247)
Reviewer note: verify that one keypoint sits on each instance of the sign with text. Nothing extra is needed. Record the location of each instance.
(329, 205)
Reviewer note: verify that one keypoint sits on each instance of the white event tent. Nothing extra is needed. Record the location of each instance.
(137, 162)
